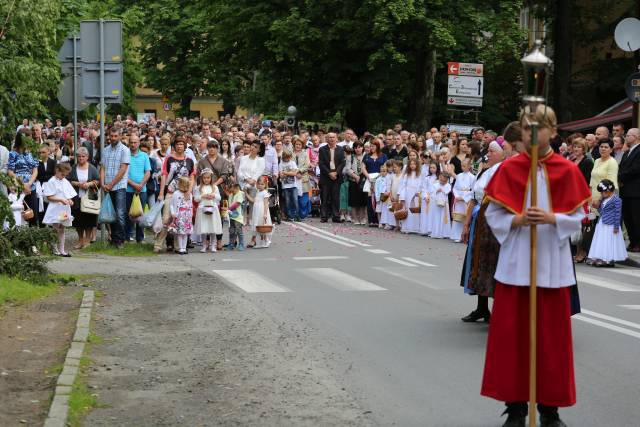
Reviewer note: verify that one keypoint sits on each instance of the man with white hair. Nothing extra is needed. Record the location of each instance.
(437, 142)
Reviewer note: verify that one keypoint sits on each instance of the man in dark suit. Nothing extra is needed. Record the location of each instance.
(629, 182)
(331, 161)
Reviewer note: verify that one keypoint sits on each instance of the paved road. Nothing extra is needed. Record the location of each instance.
(385, 309)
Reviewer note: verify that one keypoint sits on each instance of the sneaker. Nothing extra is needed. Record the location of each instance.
(342, 218)
(240, 248)
(348, 218)
(203, 250)
(214, 249)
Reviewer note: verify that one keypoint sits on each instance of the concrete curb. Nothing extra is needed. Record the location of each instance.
(60, 404)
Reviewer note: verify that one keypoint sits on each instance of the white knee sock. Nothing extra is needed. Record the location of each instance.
(61, 239)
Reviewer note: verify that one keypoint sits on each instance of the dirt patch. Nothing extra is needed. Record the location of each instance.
(184, 349)
(33, 342)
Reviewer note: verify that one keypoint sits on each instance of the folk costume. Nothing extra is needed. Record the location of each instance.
(561, 190)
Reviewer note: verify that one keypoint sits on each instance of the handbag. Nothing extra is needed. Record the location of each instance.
(27, 213)
(90, 205)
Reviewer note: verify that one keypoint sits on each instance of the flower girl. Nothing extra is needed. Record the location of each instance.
(462, 195)
(208, 223)
(60, 193)
(441, 225)
(260, 214)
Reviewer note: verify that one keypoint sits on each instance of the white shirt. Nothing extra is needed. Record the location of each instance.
(555, 265)
(250, 169)
(482, 182)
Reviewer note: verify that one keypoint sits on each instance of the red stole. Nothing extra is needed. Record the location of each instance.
(565, 184)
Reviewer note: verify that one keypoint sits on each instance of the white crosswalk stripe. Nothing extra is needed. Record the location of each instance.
(603, 283)
(399, 261)
(416, 261)
(339, 279)
(250, 281)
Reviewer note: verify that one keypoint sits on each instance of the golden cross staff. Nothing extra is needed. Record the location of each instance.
(536, 64)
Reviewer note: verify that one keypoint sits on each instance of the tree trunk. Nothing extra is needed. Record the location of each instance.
(421, 110)
(356, 117)
(562, 59)
(185, 105)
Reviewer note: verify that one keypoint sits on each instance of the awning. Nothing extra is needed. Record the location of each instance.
(619, 112)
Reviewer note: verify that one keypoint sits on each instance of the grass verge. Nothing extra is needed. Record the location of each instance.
(82, 400)
(19, 291)
(129, 249)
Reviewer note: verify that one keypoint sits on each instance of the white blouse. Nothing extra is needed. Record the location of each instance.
(482, 182)
(555, 265)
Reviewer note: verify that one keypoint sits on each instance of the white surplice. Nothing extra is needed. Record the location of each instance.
(555, 265)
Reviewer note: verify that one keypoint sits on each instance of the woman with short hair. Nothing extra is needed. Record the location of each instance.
(84, 177)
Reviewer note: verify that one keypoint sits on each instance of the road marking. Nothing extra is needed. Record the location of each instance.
(631, 273)
(333, 235)
(608, 326)
(399, 261)
(378, 251)
(630, 307)
(340, 280)
(318, 258)
(250, 281)
(247, 259)
(611, 319)
(426, 264)
(597, 281)
(408, 279)
(322, 236)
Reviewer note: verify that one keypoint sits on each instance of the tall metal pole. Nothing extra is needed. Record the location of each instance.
(75, 98)
(102, 230)
(533, 295)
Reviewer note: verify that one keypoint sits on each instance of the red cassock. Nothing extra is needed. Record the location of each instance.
(506, 374)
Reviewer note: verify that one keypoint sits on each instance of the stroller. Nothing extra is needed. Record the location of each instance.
(274, 199)
(314, 197)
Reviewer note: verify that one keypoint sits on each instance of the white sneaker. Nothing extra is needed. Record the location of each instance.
(213, 249)
(342, 218)
(348, 218)
(203, 250)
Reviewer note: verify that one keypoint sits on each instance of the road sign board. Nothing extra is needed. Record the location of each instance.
(90, 35)
(465, 69)
(463, 129)
(112, 83)
(632, 86)
(465, 86)
(65, 90)
(464, 101)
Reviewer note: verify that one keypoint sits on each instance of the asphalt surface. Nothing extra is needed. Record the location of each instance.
(385, 309)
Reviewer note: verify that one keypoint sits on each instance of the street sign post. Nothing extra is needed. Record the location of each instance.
(465, 86)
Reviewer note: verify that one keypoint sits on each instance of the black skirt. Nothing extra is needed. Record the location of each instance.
(357, 197)
(84, 220)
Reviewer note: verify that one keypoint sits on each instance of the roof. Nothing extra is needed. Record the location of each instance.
(618, 112)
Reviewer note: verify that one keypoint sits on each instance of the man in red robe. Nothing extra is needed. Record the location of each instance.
(557, 214)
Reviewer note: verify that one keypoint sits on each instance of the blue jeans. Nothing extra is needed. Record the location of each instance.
(130, 224)
(119, 200)
(304, 205)
(291, 202)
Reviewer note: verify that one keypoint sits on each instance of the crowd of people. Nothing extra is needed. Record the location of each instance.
(189, 179)
(245, 172)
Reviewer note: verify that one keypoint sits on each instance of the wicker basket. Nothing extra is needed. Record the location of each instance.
(413, 207)
(264, 229)
(396, 206)
(384, 197)
(458, 217)
(400, 215)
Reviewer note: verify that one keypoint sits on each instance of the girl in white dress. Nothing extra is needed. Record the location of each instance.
(462, 193)
(441, 225)
(260, 214)
(428, 180)
(208, 222)
(410, 195)
(60, 193)
(386, 216)
(379, 188)
(393, 188)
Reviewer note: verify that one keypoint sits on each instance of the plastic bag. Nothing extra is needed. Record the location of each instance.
(150, 217)
(107, 212)
(135, 210)
(157, 224)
